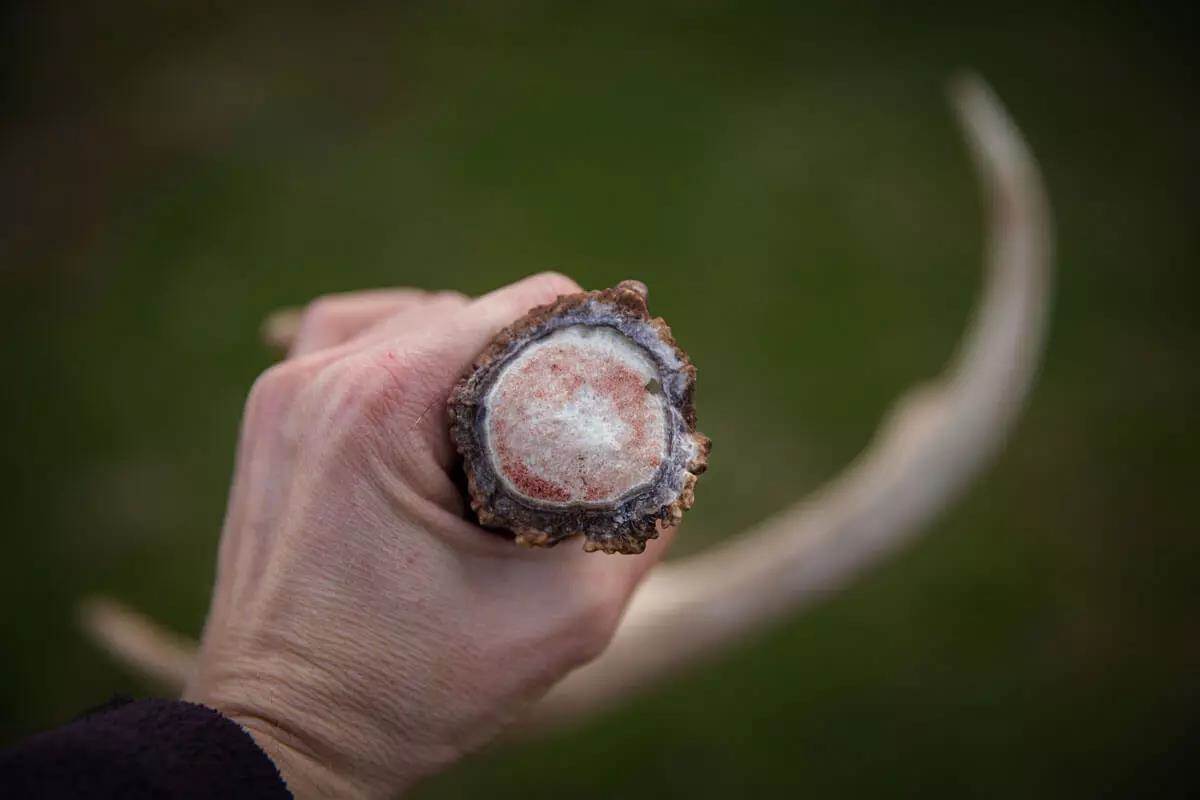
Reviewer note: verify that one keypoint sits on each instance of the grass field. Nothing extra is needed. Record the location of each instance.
(789, 182)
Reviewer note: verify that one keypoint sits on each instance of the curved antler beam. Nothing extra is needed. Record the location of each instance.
(934, 442)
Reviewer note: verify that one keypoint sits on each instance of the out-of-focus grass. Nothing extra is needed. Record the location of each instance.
(789, 183)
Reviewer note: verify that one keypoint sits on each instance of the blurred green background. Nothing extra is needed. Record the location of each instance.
(788, 180)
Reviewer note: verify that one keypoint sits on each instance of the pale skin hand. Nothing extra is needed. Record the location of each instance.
(362, 630)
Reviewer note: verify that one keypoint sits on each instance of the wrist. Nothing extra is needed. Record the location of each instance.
(305, 774)
(315, 758)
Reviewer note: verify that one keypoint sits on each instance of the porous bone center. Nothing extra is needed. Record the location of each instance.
(578, 417)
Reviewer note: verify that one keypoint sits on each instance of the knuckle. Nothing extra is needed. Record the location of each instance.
(317, 322)
(551, 285)
(273, 387)
(321, 312)
(274, 379)
(452, 296)
(436, 307)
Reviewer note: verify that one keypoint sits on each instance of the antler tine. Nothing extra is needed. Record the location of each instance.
(164, 657)
(937, 438)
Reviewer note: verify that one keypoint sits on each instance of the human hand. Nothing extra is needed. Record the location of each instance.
(361, 629)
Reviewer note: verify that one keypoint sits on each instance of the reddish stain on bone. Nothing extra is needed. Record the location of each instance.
(575, 422)
(531, 485)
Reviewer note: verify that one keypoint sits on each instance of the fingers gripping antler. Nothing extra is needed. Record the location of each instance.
(929, 449)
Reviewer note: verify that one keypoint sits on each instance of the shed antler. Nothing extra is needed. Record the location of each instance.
(929, 448)
(933, 443)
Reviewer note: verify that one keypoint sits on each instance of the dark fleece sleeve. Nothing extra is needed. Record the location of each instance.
(142, 749)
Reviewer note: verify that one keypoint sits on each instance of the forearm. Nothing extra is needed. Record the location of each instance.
(148, 748)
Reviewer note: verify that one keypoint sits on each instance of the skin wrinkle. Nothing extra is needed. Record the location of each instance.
(326, 745)
(378, 593)
(292, 670)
